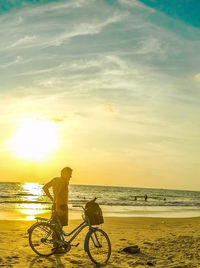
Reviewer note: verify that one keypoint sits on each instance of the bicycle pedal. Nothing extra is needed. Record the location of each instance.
(75, 245)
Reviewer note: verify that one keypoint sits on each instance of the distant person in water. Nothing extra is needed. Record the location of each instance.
(145, 197)
(60, 196)
(135, 199)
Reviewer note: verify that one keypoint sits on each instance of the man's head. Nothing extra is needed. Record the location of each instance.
(66, 173)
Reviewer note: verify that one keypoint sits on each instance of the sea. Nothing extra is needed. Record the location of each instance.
(25, 201)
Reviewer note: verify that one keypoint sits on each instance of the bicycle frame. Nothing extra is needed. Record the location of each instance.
(76, 232)
(62, 233)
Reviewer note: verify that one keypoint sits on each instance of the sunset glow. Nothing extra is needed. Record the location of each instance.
(35, 139)
(112, 94)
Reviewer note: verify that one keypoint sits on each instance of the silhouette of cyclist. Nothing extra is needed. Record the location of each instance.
(60, 195)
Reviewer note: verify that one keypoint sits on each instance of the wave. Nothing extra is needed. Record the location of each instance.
(111, 204)
(14, 193)
(25, 202)
(25, 194)
(173, 204)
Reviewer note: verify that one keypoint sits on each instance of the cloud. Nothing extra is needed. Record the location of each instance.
(84, 29)
(17, 60)
(57, 120)
(26, 41)
(55, 7)
(79, 30)
(89, 66)
(197, 77)
(49, 25)
(44, 6)
(151, 45)
(109, 108)
(134, 3)
(52, 119)
(116, 55)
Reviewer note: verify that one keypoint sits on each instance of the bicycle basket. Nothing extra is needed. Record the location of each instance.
(94, 213)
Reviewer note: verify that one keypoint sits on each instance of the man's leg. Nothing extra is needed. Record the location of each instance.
(61, 221)
(54, 217)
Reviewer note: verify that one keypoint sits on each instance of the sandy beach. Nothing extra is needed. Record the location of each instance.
(173, 243)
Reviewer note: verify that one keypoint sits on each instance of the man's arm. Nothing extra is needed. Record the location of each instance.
(46, 189)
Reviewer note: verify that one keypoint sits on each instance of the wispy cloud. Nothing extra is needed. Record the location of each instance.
(134, 3)
(197, 77)
(52, 119)
(57, 120)
(34, 32)
(17, 60)
(151, 45)
(58, 6)
(26, 41)
(119, 69)
(110, 108)
(82, 29)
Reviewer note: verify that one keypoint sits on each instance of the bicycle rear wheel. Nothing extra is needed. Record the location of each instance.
(43, 239)
(98, 246)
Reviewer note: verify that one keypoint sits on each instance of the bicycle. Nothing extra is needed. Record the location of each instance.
(46, 236)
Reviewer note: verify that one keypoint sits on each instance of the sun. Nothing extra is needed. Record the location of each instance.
(35, 139)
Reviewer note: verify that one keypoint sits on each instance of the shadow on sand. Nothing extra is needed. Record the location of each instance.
(53, 261)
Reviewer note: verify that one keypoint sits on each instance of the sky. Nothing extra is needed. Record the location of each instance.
(113, 88)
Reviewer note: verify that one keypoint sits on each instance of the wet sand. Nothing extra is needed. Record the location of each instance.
(173, 243)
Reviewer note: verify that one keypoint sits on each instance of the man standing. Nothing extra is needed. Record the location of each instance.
(60, 195)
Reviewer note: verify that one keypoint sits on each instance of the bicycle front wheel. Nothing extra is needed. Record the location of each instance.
(43, 239)
(98, 246)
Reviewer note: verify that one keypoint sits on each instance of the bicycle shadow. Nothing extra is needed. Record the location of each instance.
(54, 261)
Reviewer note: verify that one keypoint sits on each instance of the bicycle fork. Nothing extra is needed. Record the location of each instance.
(96, 243)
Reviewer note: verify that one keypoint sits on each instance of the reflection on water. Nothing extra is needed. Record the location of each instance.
(29, 218)
(32, 188)
(32, 192)
(31, 209)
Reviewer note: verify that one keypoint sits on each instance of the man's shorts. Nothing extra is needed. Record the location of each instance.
(62, 219)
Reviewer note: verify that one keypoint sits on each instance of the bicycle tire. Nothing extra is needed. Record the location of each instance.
(38, 239)
(98, 252)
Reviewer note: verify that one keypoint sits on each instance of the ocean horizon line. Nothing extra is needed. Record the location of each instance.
(116, 186)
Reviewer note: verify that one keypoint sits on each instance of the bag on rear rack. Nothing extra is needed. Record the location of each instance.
(94, 213)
